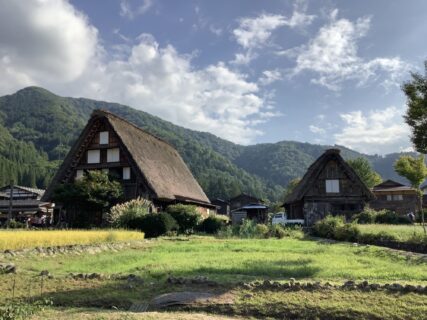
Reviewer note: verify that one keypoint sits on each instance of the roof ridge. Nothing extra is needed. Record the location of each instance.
(109, 113)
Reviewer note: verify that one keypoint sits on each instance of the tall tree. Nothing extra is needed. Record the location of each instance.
(416, 114)
(365, 172)
(415, 170)
(291, 186)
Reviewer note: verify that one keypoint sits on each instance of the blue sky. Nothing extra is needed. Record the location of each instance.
(325, 72)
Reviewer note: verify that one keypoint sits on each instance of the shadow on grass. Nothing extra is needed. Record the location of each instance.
(121, 294)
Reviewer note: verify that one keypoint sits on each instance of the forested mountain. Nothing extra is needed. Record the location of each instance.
(37, 129)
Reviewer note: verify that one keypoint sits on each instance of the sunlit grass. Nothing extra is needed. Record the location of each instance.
(401, 232)
(20, 239)
(246, 259)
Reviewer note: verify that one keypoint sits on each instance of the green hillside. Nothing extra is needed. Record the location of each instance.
(39, 128)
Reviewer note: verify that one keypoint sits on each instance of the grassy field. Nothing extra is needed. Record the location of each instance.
(20, 239)
(226, 261)
(401, 232)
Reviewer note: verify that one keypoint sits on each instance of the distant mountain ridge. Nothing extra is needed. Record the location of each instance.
(45, 125)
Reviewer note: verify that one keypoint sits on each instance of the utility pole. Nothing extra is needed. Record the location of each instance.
(9, 215)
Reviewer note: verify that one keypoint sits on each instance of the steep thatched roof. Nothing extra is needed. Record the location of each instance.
(159, 163)
(315, 169)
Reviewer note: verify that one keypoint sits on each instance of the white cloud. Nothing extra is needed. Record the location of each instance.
(43, 40)
(380, 131)
(332, 56)
(130, 12)
(70, 60)
(255, 33)
(270, 76)
(316, 129)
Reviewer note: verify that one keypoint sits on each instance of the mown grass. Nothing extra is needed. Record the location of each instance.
(400, 232)
(21, 239)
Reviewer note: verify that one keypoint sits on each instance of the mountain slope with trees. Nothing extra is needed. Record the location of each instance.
(42, 127)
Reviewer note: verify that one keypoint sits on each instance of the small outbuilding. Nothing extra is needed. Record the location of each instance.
(330, 186)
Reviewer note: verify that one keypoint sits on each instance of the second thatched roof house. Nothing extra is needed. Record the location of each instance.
(147, 166)
(330, 186)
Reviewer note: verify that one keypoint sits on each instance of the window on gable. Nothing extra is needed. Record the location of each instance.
(93, 156)
(332, 186)
(113, 155)
(103, 137)
(126, 173)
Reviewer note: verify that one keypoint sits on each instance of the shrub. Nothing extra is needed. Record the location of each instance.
(367, 216)
(156, 224)
(278, 231)
(125, 215)
(347, 232)
(261, 231)
(211, 225)
(13, 224)
(326, 227)
(247, 229)
(186, 216)
(391, 217)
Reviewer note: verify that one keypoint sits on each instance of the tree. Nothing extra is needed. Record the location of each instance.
(415, 170)
(93, 194)
(365, 172)
(291, 186)
(416, 115)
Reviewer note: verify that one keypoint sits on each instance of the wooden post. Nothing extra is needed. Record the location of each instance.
(9, 215)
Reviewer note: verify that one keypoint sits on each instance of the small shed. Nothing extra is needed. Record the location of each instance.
(253, 211)
(243, 200)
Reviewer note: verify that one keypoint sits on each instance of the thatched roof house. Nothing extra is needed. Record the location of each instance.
(330, 186)
(146, 165)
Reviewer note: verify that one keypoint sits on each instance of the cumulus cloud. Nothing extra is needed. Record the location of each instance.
(255, 32)
(129, 11)
(332, 56)
(270, 76)
(43, 40)
(70, 60)
(380, 131)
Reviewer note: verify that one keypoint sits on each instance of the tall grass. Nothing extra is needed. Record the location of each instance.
(400, 232)
(21, 239)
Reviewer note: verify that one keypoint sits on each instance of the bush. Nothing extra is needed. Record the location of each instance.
(326, 227)
(126, 215)
(186, 216)
(261, 231)
(391, 217)
(13, 224)
(211, 225)
(278, 231)
(247, 229)
(347, 232)
(367, 216)
(155, 224)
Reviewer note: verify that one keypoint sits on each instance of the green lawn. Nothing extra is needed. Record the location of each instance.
(229, 261)
(401, 232)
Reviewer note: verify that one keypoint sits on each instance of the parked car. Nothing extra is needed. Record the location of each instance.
(281, 218)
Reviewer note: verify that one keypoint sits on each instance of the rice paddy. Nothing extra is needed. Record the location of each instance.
(22, 239)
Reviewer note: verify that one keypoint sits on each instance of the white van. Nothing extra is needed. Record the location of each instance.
(281, 218)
